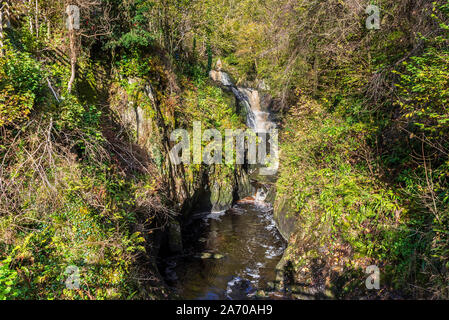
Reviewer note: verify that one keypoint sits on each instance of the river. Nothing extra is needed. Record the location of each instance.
(231, 255)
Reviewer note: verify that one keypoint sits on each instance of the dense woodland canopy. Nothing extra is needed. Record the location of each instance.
(363, 116)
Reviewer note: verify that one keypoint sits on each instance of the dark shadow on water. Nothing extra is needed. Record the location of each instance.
(227, 255)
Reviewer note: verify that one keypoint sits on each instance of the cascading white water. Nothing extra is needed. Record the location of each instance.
(221, 77)
(251, 120)
(261, 195)
(225, 79)
(257, 118)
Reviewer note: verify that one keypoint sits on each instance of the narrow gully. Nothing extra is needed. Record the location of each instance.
(231, 254)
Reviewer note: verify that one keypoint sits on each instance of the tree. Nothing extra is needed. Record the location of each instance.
(4, 17)
(96, 22)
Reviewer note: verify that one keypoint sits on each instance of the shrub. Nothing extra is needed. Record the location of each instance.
(20, 86)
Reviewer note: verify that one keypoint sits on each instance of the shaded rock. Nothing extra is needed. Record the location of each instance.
(285, 222)
(175, 237)
(239, 289)
(206, 255)
(221, 196)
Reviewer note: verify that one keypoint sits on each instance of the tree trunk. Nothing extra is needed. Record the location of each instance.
(47, 21)
(36, 19)
(30, 13)
(72, 60)
(5, 17)
(1, 32)
(315, 74)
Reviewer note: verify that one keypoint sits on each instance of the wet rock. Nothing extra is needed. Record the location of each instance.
(221, 77)
(206, 255)
(243, 183)
(221, 197)
(246, 200)
(239, 289)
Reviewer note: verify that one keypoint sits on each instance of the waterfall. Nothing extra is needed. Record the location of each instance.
(225, 79)
(251, 120)
(261, 195)
(257, 118)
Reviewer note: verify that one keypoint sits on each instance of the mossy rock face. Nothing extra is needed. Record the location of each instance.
(245, 189)
(284, 215)
(230, 99)
(227, 188)
(134, 112)
(221, 196)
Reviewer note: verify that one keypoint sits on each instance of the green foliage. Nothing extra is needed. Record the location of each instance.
(20, 85)
(73, 115)
(370, 172)
(8, 279)
(80, 213)
(365, 170)
(134, 38)
(325, 183)
(133, 34)
(209, 104)
(132, 65)
(425, 91)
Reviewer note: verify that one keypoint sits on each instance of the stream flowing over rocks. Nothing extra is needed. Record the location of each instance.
(233, 253)
(258, 116)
